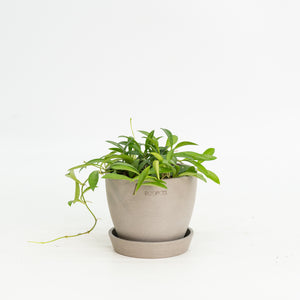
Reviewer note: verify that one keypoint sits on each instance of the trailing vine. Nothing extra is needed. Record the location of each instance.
(147, 163)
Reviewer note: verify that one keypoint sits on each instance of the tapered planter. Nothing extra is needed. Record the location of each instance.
(154, 216)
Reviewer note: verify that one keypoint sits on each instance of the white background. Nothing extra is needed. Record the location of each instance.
(224, 74)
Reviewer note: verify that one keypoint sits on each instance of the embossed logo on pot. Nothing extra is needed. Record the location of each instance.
(155, 193)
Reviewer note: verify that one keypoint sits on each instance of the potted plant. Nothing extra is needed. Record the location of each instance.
(150, 188)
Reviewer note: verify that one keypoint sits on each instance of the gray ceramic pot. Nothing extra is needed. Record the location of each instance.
(153, 214)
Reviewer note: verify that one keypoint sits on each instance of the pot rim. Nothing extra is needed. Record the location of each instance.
(167, 179)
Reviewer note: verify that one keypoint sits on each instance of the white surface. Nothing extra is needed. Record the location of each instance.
(224, 74)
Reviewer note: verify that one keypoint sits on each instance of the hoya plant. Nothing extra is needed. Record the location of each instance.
(147, 162)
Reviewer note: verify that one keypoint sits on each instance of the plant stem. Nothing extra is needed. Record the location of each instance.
(70, 236)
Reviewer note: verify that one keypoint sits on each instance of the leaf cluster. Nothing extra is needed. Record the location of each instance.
(148, 162)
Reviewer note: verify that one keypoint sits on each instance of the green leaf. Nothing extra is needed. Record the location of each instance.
(125, 136)
(115, 144)
(142, 178)
(151, 142)
(71, 175)
(146, 133)
(135, 163)
(128, 143)
(170, 155)
(125, 167)
(116, 176)
(200, 168)
(70, 202)
(211, 175)
(183, 168)
(209, 151)
(156, 168)
(177, 167)
(166, 163)
(163, 150)
(195, 155)
(166, 169)
(154, 183)
(93, 179)
(187, 168)
(149, 177)
(175, 139)
(125, 157)
(169, 135)
(137, 147)
(185, 143)
(148, 137)
(142, 164)
(116, 149)
(192, 174)
(157, 155)
(198, 165)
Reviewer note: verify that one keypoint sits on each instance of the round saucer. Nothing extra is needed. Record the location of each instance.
(150, 249)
